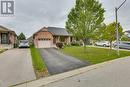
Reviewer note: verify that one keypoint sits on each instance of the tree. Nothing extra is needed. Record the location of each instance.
(110, 33)
(125, 38)
(98, 34)
(21, 37)
(85, 18)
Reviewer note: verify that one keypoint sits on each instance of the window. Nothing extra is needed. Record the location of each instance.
(44, 39)
(4, 38)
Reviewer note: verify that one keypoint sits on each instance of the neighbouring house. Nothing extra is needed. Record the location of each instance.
(8, 38)
(30, 39)
(49, 36)
(127, 33)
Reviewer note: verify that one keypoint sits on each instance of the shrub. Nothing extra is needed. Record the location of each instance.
(15, 45)
(76, 43)
(59, 45)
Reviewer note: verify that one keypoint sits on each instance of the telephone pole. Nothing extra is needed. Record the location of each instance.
(117, 31)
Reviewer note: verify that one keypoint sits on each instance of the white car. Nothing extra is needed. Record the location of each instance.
(122, 45)
(103, 43)
(23, 44)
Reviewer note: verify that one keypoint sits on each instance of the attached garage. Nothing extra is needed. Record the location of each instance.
(43, 39)
(44, 43)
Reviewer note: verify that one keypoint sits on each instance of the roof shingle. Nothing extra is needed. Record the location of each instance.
(57, 31)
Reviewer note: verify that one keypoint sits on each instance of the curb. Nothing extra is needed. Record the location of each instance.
(58, 77)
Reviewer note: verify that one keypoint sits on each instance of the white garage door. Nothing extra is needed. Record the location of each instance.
(44, 43)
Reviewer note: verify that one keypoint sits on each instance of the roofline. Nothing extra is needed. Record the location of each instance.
(62, 35)
(39, 30)
(50, 32)
(42, 31)
(8, 30)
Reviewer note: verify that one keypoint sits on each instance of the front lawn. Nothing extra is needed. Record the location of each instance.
(94, 55)
(2, 50)
(38, 64)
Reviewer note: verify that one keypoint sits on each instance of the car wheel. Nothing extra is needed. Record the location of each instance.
(104, 45)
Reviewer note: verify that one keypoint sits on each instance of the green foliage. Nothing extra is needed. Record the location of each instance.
(21, 37)
(99, 33)
(77, 43)
(125, 38)
(85, 18)
(37, 60)
(109, 32)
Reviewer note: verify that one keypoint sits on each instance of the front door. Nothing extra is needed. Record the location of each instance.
(4, 38)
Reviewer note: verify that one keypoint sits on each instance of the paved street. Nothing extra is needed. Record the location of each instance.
(15, 67)
(112, 74)
(57, 62)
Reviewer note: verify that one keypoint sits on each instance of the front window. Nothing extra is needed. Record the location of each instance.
(4, 38)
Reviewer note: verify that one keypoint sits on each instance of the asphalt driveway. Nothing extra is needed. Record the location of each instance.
(15, 67)
(115, 73)
(57, 62)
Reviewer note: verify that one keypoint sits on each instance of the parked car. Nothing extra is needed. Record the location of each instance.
(103, 43)
(23, 44)
(122, 45)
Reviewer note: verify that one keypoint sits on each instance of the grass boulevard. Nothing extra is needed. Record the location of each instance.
(93, 55)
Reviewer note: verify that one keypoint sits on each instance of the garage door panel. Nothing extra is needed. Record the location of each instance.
(44, 44)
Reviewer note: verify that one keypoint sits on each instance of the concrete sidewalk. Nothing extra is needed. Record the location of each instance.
(108, 74)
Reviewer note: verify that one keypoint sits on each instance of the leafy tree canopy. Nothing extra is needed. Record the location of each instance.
(109, 33)
(85, 18)
(21, 36)
(125, 38)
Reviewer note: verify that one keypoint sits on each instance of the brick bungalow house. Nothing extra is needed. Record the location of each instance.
(7, 38)
(49, 36)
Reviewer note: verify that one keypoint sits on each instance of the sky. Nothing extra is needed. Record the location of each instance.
(32, 15)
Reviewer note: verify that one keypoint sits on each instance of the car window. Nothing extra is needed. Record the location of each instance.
(127, 43)
(23, 41)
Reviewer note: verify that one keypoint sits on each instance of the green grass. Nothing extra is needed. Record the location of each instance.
(94, 55)
(38, 63)
(2, 50)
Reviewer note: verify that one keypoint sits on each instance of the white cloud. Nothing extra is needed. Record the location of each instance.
(31, 15)
(123, 13)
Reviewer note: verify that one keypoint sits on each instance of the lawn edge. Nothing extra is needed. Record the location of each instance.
(43, 72)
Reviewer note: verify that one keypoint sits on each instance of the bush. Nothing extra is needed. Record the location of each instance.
(76, 43)
(68, 45)
(15, 45)
(59, 45)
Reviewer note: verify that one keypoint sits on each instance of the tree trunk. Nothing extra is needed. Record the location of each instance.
(110, 44)
(110, 47)
(84, 45)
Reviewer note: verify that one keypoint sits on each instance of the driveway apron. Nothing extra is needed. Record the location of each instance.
(58, 62)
